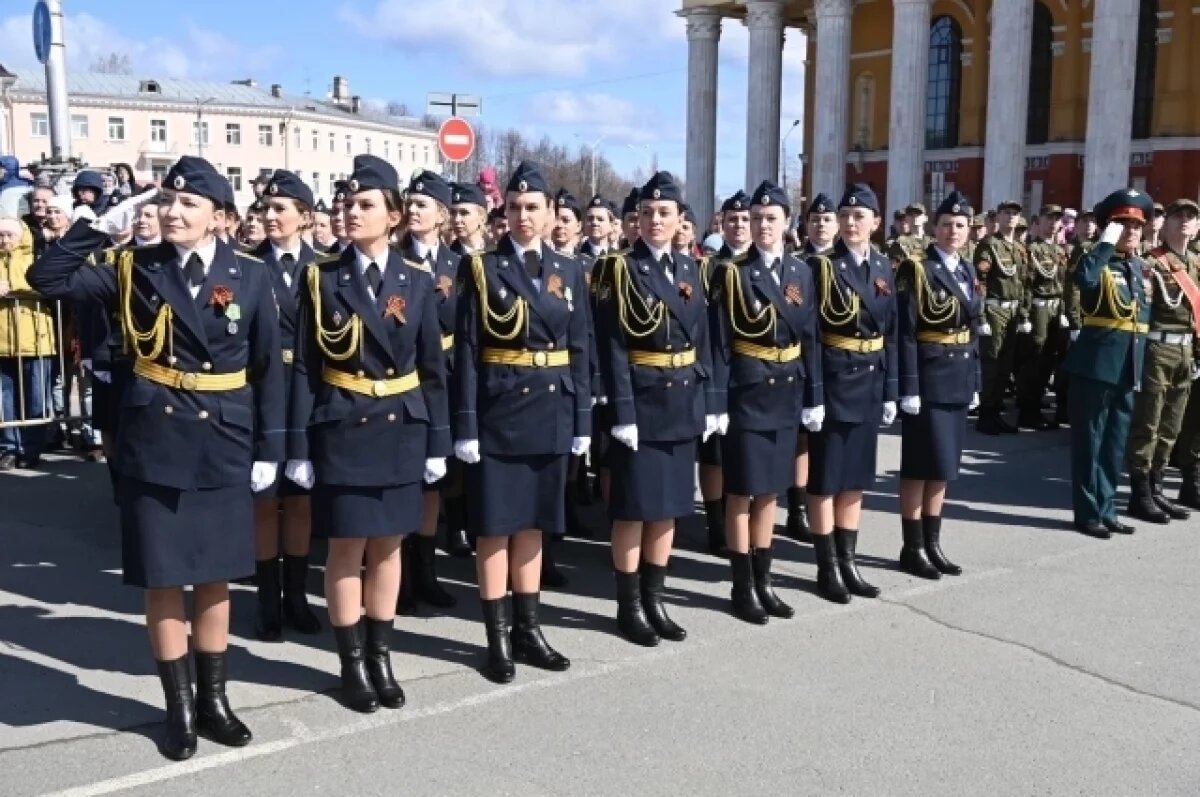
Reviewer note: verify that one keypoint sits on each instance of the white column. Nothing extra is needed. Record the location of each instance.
(764, 18)
(1110, 98)
(906, 125)
(1008, 102)
(703, 33)
(831, 101)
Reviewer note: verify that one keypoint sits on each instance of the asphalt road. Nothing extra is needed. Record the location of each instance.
(1056, 665)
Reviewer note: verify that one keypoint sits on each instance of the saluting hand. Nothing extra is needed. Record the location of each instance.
(122, 217)
(1112, 233)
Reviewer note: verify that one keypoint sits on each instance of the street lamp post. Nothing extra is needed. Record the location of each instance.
(200, 124)
(650, 155)
(784, 158)
(592, 155)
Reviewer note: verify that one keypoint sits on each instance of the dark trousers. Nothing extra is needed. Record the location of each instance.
(1100, 416)
(996, 356)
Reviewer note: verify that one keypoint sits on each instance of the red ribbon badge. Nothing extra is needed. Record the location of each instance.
(685, 290)
(221, 297)
(395, 309)
(444, 286)
(881, 287)
(793, 295)
(554, 285)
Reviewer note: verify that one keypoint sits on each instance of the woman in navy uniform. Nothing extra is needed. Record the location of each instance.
(468, 218)
(427, 207)
(652, 336)
(202, 416)
(522, 405)
(281, 512)
(766, 367)
(368, 422)
(940, 311)
(857, 316)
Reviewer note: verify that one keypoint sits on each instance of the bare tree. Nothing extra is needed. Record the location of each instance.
(112, 64)
(396, 108)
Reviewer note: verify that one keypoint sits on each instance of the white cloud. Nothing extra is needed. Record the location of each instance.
(595, 116)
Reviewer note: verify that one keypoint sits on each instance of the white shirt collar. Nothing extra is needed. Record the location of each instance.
(658, 253)
(421, 249)
(146, 241)
(364, 261)
(520, 251)
(949, 259)
(206, 251)
(771, 257)
(279, 253)
(860, 259)
(600, 248)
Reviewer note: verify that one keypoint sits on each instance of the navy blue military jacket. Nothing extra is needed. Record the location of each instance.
(515, 410)
(930, 300)
(1111, 287)
(287, 297)
(354, 439)
(639, 309)
(748, 305)
(856, 383)
(444, 270)
(174, 437)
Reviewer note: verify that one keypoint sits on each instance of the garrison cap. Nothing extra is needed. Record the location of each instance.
(1183, 206)
(661, 187)
(860, 195)
(372, 172)
(432, 185)
(768, 194)
(630, 205)
(496, 214)
(979, 220)
(738, 201)
(1128, 204)
(599, 201)
(527, 178)
(822, 204)
(288, 184)
(565, 199)
(1158, 209)
(341, 191)
(197, 176)
(320, 207)
(955, 204)
(229, 204)
(688, 213)
(467, 194)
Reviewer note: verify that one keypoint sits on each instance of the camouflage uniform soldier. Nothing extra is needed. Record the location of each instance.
(1044, 283)
(912, 245)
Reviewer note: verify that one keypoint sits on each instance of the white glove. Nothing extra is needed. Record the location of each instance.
(889, 412)
(985, 330)
(300, 471)
(813, 418)
(467, 451)
(84, 212)
(580, 446)
(602, 400)
(1074, 335)
(1024, 328)
(710, 426)
(627, 434)
(122, 217)
(1112, 233)
(910, 405)
(263, 475)
(1064, 322)
(722, 424)
(435, 468)
(974, 401)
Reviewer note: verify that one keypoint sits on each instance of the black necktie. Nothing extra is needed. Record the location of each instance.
(194, 270)
(288, 262)
(533, 264)
(777, 269)
(374, 278)
(668, 266)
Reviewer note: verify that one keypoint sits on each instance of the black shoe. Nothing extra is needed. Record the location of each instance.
(379, 663)
(912, 555)
(654, 579)
(9, 462)
(714, 522)
(358, 693)
(268, 622)
(214, 718)
(552, 577)
(631, 616)
(296, 612)
(497, 619)
(1093, 528)
(179, 741)
(746, 605)
(528, 642)
(1141, 501)
(845, 542)
(1189, 487)
(797, 516)
(760, 563)
(458, 544)
(931, 526)
(1173, 510)
(829, 582)
(1117, 527)
(427, 589)
(30, 462)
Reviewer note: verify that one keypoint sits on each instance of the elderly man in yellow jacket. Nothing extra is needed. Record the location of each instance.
(27, 349)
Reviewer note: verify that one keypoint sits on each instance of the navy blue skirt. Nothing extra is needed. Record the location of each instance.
(365, 512)
(656, 482)
(842, 457)
(511, 494)
(758, 462)
(931, 442)
(172, 538)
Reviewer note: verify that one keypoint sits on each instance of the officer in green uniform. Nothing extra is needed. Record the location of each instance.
(1001, 263)
(1039, 355)
(1159, 407)
(978, 233)
(911, 245)
(1105, 361)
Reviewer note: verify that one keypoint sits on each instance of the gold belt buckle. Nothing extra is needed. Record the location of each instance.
(379, 389)
(187, 381)
(677, 360)
(540, 359)
(288, 356)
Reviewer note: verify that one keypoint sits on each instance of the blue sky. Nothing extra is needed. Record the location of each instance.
(576, 70)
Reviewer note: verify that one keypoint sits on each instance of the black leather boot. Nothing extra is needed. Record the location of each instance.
(179, 740)
(379, 663)
(631, 616)
(406, 601)
(457, 543)
(1141, 502)
(845, 541)
(931, 529)
(746, 605)
(552, 577)
(1189, 487)
(528, 642)
(760, 559)
(797, 517)
(497, 619)
(829, 582)
(912, 554)
(268, 621)
(296, 611)
(214, 718)
(1173, 510)
(654, 579)
(427, 588)
(358, 693)
(714, 521)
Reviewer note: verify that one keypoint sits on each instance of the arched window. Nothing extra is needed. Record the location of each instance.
(1147, 58)
(1041, 66)
(944, 84)
(864, 110)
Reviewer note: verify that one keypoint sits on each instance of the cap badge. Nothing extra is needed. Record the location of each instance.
(273, 188)
(766, 200)
(853, 200)
(522, 187)
(179, 182)
(353, 183)
(419, 186)
(956, 208)
(657, 193)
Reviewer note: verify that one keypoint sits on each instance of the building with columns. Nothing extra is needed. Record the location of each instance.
(1001, 99)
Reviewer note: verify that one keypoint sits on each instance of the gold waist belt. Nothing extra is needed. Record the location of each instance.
(523, 358)
(945, 338)
(663, 359)
(184, 380)
(769, 354)
(376, 388)
(1119, 324)
(859, 345)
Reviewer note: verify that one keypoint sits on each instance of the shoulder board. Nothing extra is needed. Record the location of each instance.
(419, 265)
(326, 258)
(248, 256)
